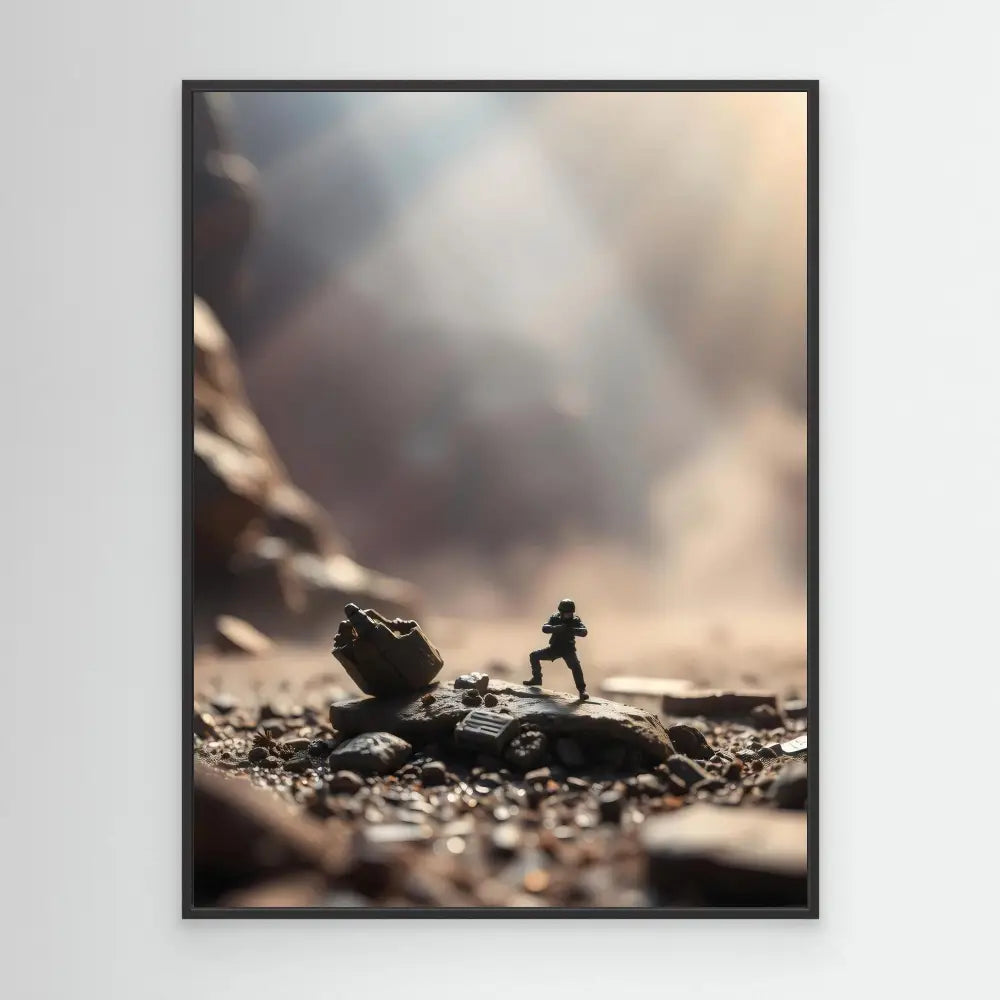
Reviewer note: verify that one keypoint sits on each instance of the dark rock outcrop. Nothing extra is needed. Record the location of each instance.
(595, 723)
(262, 549)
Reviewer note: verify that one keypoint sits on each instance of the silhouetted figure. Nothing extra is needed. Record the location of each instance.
(562, 628)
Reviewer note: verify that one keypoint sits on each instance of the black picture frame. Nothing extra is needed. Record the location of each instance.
(811, 89)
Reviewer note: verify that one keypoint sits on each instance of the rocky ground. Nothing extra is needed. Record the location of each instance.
(692, 799)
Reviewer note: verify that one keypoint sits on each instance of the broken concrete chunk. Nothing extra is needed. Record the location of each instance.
(716, 704)
(690, 741)
(791, 788)
(299, 763)
(610, 804)
(765, 717)
(595, 723)
(477, 681)
(204, 726)
(346, 781)
(434, 773)
(686, 770)
(484, 730)
(371, 753)
(721, 856)
(796, 747)
(385, 657)
(233, 635)
(650, 687)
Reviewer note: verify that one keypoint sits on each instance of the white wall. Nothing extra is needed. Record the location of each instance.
(90, 418)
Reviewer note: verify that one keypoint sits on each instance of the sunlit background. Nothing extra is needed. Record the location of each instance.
(525, 344)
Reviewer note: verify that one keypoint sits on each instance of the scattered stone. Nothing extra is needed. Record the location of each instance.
(295, 746)
(485, 730)
(477, 682)
(273, 728)
(472, 698)
(223, 703)
(298, 764)
(490, 700)
(645, 784)
(765, 717)
(270, 762)
(690, 742)
(346, 781)
(796, 747)
(596, 721)
(433, 773)
(538, 776)
(708, 785)
(579, 784)
(569, 752)
(791, 788)
(675, 786)
(204, 726)
(610, 806)
(716, 704)
(734, 771)
(427, 699)
(371, 753)
(256, 755)
(233, 635)
(686, 770)
(720, 856)
(319, 748)
(506, 839)
(732, 797)
(396, 833)
(528, 750)
(384, 657)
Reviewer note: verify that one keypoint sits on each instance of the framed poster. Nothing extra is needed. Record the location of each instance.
(500, 498)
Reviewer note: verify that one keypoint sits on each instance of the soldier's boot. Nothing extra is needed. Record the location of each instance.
(581, 685)
(535, 679)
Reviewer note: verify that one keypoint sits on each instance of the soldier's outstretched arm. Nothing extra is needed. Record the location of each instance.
(580, 629)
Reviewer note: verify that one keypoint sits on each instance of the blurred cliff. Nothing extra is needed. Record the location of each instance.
(261, 547)
(514, 344)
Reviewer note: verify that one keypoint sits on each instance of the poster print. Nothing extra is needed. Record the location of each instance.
(500, 499)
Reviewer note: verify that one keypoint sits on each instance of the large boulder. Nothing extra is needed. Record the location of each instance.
(422, 719)
(385, 657)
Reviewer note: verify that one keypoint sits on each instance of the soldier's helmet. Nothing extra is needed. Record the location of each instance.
(567, 605)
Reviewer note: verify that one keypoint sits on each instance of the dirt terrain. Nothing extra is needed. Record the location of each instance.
(718, 820)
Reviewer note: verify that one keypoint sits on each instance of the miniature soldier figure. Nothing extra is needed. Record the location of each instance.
(562, 629)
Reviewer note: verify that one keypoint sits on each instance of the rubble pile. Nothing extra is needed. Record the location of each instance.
(480, 792)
